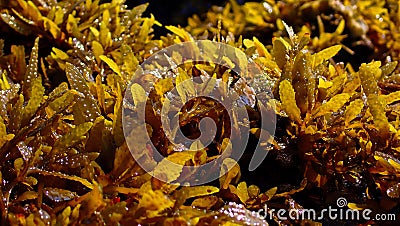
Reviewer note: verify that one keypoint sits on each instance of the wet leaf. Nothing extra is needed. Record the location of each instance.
(394, 191)
(65, 176)
(85, 108)
(36, 96)
(31, 72)
(333, 105)
(288, 99)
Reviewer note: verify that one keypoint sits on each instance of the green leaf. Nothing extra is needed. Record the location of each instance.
(288, 99)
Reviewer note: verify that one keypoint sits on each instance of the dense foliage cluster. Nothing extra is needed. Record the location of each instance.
(65, 66)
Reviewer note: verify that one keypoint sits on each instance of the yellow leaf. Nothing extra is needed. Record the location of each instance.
(95, 32)
(36, 97)
(105, 36)
(262, 51)
(62, 102)
(288, 99)
(368, 74)
(190, 192)
(75, 135)
(155, 201)
(271, 192)
(230, 172)
(98, 50)
(170, 168)
(34, 12)
(111, 64)
(355, 206)
(95, 198)
(60, 54)
(391, 97)
(395, 164)
(353, 110)
(146, 28)
(32, 69)
(323, 84)
(100, 92)
(242, 192)
(28, 195)
(18, 164)
(205, 202)
(325, 54)
(333, 105)
(86, 108)
(163, 85)
(180, 32)
(184, 85)
(280, 47)
(64, 176)
(138, 94)
(52, 27)
(4, 137)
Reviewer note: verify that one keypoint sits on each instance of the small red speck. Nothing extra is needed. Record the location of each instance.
(116, 200)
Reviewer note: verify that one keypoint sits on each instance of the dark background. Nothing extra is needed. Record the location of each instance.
(174, 12)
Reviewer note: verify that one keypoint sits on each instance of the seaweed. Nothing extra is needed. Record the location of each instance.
(66, 65)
